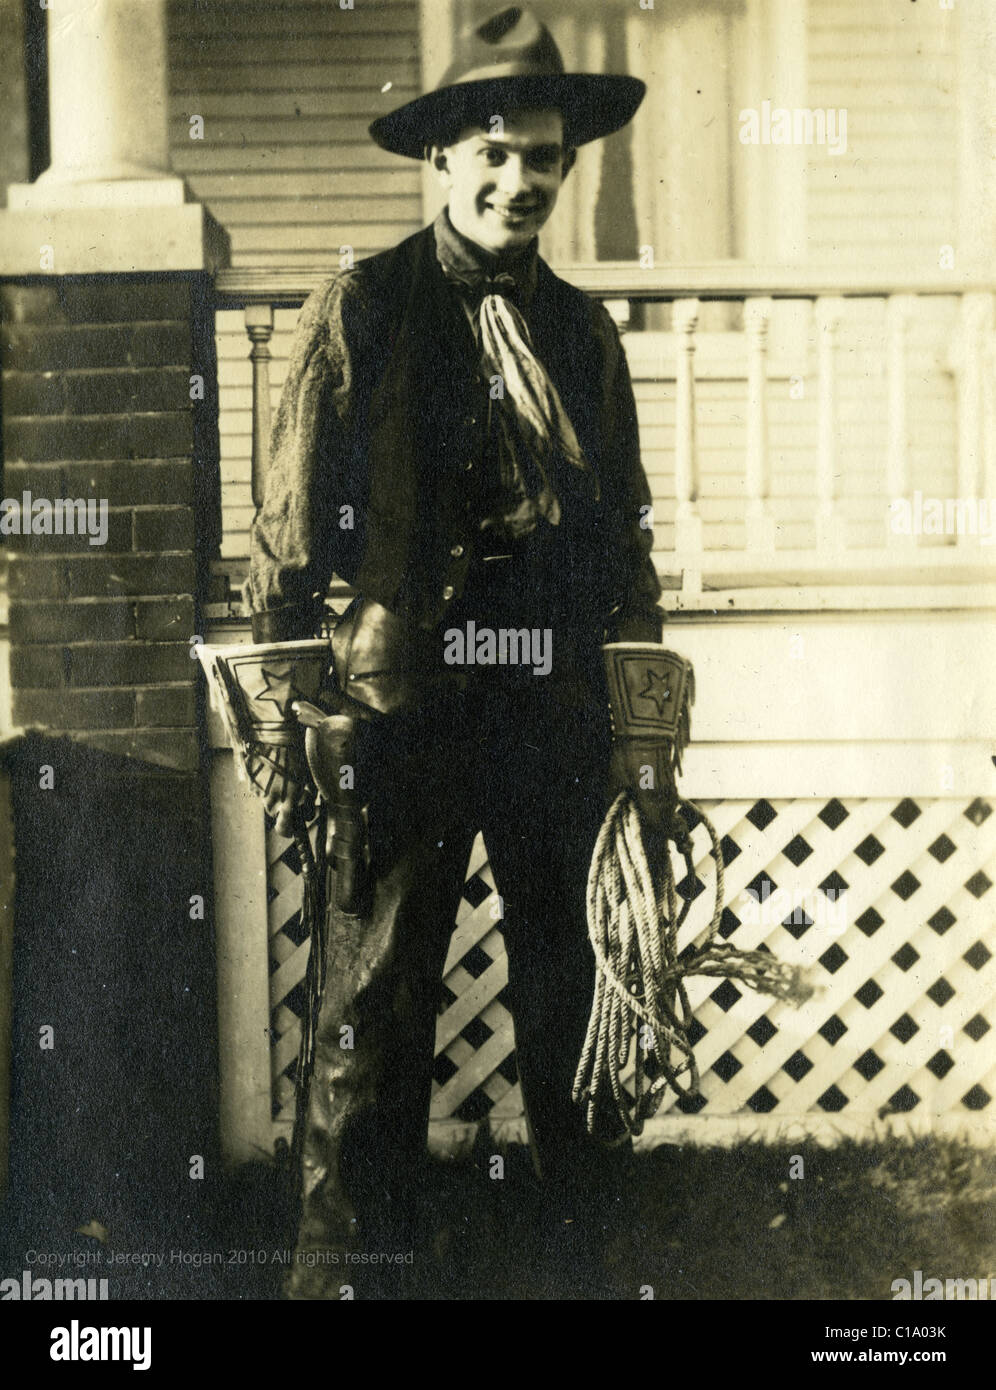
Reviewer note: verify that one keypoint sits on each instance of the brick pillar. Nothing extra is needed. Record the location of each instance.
(97, 405)
(105, 317)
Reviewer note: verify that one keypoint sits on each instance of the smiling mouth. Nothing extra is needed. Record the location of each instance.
(513, 214)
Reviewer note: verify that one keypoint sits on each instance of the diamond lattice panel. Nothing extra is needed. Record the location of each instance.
(475, 1043)
(288, 963)
(890, 905)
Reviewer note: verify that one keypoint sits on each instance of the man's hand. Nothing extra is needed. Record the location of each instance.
(280, 774)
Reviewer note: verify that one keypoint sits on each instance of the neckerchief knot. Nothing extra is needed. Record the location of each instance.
(533, 431)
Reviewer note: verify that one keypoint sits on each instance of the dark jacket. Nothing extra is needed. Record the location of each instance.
(381, 424)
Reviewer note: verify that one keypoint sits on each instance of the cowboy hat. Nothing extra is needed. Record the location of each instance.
(509, 61)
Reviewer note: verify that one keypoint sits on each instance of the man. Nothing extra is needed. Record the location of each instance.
(457, 438)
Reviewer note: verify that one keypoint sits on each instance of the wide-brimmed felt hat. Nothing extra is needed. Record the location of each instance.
(510, 61)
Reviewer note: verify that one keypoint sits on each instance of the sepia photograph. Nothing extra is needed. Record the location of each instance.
(498, 662)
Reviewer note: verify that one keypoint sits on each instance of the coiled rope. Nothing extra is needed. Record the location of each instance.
(633, 925)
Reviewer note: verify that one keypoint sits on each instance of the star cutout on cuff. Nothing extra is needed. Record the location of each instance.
(656, 690)
(279, 689)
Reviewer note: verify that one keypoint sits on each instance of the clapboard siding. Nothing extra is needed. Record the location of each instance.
(310, 58)
(275, 75)
(251, 134)
(894, 69)
(293, 159)
(305, 20)
(321, 188)
(286, 92)
(256, 214)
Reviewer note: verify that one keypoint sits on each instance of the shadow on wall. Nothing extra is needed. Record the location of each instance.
(113, 1056)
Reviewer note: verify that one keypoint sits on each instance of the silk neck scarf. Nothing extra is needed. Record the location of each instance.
(534, 433)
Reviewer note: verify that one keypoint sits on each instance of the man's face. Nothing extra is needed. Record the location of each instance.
(503, 187)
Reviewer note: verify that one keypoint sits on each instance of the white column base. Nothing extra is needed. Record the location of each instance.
(109, 239)
(51, 193)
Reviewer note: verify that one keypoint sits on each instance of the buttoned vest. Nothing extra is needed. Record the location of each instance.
(416, 421)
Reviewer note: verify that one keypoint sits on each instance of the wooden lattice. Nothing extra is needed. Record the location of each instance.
(289, 950)
(903, 964)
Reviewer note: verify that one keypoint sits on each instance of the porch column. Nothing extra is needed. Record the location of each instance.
(110, 393)
(108, 201)
(107, 95)
(109, 398)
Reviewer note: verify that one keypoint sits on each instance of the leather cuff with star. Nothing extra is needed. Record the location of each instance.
(650, 690)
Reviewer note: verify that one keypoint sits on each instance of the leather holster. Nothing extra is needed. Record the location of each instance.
(382, 662)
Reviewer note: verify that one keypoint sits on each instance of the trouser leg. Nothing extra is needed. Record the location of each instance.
(364, 1135)
(546, 805)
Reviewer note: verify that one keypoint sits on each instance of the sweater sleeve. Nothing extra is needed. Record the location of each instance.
(635, 588)
(291, 554)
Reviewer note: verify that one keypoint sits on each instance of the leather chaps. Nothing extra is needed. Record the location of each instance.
(524, 759)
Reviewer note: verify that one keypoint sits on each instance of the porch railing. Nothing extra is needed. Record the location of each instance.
(807, 307)
(888, 798)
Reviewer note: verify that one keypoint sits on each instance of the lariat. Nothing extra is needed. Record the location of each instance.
(640, 980)
(641, 1006)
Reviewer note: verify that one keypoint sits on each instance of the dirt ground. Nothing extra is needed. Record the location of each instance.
(682, 1224)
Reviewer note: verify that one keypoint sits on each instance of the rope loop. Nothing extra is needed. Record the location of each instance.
(640, 995)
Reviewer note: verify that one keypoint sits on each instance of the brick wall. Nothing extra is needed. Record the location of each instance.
(97, 404)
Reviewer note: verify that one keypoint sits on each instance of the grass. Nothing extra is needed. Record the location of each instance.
(694, 1224)
(732, 1224)
(714, 1224)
